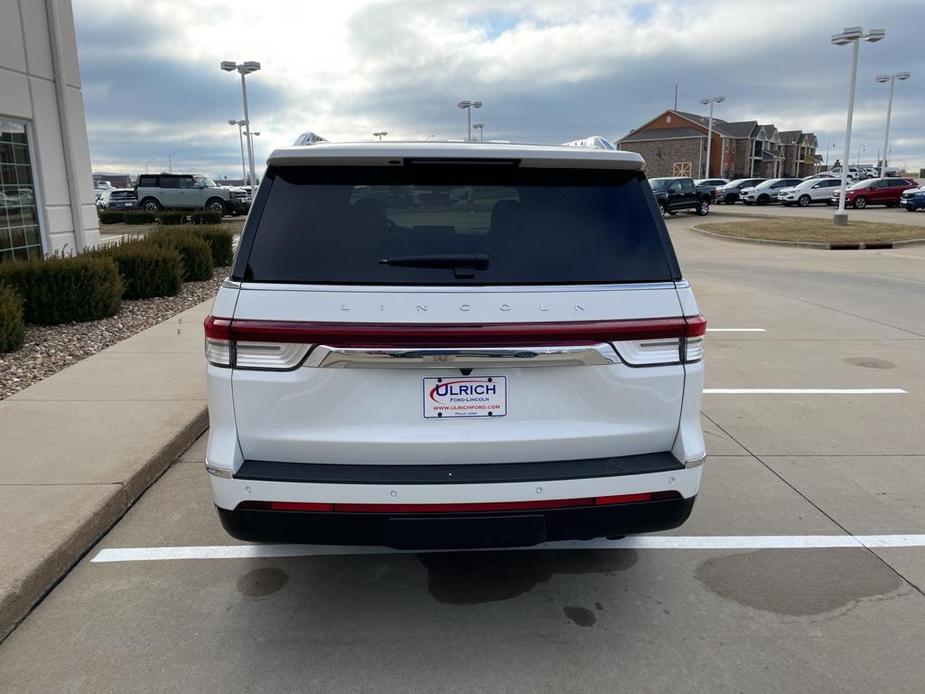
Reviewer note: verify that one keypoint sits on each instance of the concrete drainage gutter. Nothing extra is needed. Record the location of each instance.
(873, 246)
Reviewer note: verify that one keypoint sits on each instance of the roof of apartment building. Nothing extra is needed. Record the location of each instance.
(790, 137)
(662, 134)
(736, 129)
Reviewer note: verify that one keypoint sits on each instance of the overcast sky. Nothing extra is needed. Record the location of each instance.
(547, 71)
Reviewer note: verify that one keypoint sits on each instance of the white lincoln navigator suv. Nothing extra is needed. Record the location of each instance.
(447, 345)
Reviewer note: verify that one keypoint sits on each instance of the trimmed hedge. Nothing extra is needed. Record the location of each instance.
(12, 332)
(218, 238)
(110, 217)
(64, 289)
(196, 255)
(147, 269)
(164, 217)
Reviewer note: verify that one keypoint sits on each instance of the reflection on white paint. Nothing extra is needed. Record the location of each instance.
(803, 391)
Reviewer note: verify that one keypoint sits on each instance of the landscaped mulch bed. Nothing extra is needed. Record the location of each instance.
(48, 349)
(811, 230)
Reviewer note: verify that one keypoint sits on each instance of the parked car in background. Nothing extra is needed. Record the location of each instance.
(766, 192)
(730, 192)
(188, 191)
(711, 185)
(853, 173)
(117, 199)
(342, 413)
(821, 174)
(875, 191)
(100, 187)
(808, 192)
(674, 194)
(913, 199)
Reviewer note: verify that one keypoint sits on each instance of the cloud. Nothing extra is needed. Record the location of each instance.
(546, 71)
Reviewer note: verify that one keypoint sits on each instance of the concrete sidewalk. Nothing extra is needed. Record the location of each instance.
(79, 447)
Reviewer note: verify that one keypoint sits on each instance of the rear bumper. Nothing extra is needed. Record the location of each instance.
(455, 530)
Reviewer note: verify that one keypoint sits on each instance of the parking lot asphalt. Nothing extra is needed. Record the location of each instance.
(787, 471)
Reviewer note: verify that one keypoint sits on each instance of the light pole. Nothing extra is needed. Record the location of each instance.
(881, 79)
(827, 150)
(241, 123)
(481, 128)
(170, 160)
(862, 148)
(468, 106)
(245, 68)
(710, 100)
(854, 36)
(146, 164)
(381, 134)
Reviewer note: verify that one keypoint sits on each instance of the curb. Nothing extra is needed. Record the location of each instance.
(873, 246)
(45, 575)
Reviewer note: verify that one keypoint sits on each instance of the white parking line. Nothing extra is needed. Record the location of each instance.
(736, 330)
(716, 542)
(803, 391)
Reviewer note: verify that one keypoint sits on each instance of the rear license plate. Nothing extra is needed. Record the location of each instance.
(465, 397)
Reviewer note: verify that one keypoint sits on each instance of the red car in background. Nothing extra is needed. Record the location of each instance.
(875, 191)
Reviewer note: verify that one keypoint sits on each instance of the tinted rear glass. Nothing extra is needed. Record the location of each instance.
(359, 225)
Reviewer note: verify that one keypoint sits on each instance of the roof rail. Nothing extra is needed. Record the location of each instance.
(592, 142)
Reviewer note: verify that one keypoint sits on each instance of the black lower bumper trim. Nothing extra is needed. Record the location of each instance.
(469, 473)
(456, 530)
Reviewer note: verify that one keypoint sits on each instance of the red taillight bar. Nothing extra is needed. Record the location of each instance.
(454, 335)
(456, 508)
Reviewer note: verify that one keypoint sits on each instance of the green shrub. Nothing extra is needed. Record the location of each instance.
(111, 216)
(64, 289)
(11, 327)
(139, 217)
(172, 217)
(219, 240)
(147, 269)
(196, 255)
(205, 217)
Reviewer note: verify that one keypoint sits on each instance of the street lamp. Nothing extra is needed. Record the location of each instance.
(853, 36)
(381, 134)
(245, 68)
(468, 106)
(170, 160)
(828, 149)
(481, 128)
(862, 148)
(241, 123)
(710, 100)
(882, 79)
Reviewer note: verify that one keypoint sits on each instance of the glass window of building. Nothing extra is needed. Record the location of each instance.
(19, 222)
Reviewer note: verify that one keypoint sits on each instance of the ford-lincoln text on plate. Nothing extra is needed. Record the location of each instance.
(438, 345)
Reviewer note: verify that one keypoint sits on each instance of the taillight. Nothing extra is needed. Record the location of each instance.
(281, 345)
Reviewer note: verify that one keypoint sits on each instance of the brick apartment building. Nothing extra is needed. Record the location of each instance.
(675, 144)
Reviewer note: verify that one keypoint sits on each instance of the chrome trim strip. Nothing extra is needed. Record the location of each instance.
(229, 283)
(695, 462)
(324, 356)
(222, 472)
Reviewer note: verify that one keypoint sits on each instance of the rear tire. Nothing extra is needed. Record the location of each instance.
(860, 203)
(764, 199)
(703, 208)
(804, 201)
(150, 205)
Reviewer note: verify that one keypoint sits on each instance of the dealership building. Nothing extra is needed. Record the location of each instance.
(46, 193)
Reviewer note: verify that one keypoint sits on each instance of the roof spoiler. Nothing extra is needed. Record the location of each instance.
(308, 138)
(592, 142)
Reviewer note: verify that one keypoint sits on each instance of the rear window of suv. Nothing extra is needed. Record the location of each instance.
(454, 224)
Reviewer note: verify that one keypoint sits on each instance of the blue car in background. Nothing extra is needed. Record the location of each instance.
(913, 199)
